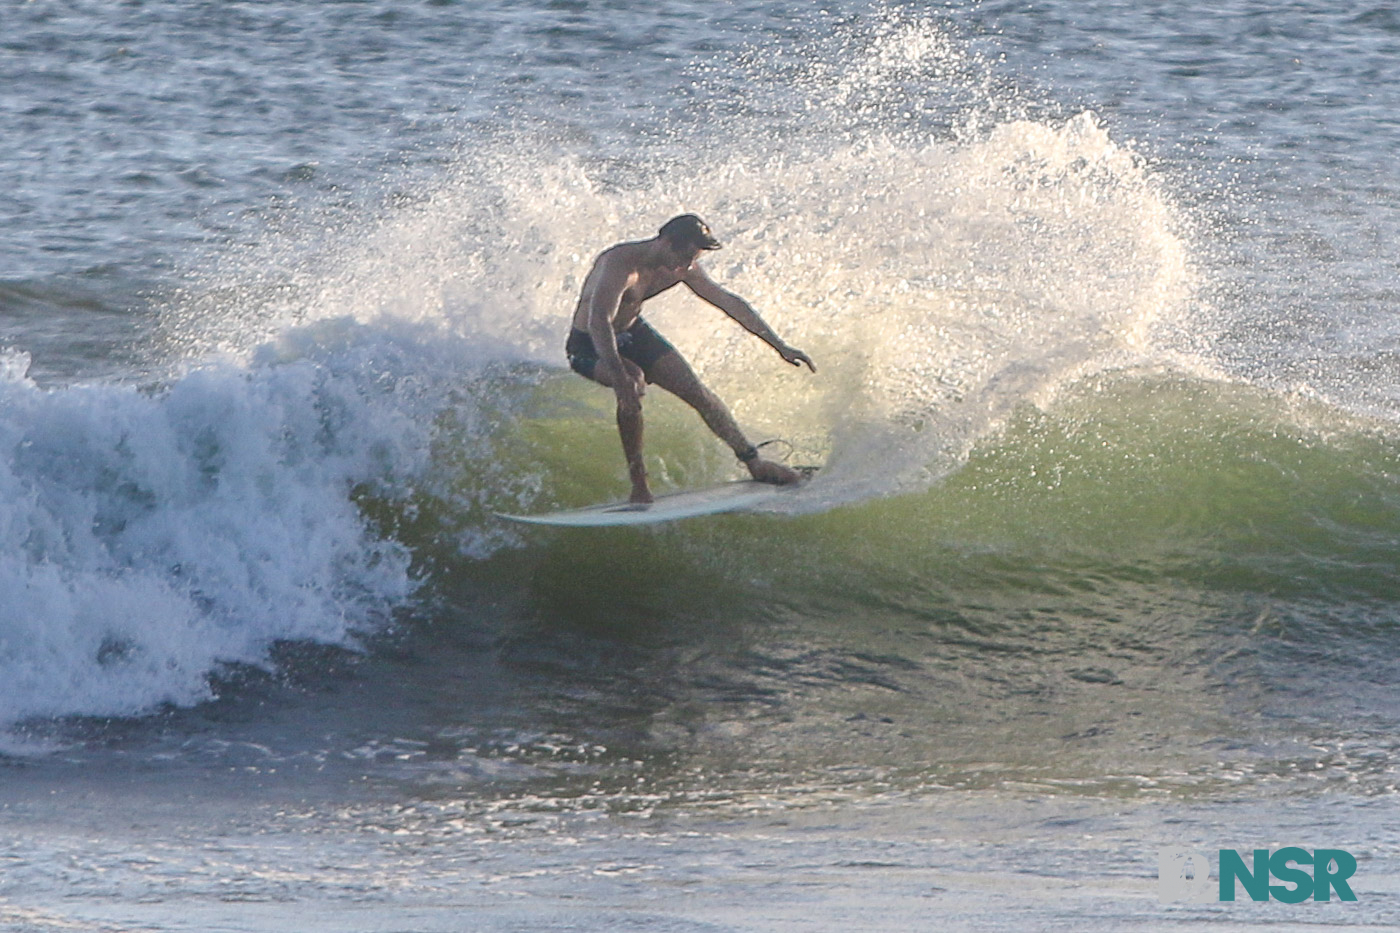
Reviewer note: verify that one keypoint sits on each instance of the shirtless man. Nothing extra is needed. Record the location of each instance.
(613, 346)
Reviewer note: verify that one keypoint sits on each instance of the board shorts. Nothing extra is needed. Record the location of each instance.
(639, 343)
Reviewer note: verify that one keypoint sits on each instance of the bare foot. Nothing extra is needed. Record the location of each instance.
(641, 495)
(766, 471)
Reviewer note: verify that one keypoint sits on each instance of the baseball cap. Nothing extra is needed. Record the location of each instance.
(688, 229)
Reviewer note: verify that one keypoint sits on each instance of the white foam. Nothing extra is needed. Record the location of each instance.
(147, 537)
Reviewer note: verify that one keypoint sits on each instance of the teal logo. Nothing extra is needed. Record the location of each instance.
(1290, 875)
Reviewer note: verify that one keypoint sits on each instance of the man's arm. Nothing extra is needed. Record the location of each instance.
(742, 312)
(607, 292)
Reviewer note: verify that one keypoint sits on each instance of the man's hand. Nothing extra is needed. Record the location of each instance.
(796, 357)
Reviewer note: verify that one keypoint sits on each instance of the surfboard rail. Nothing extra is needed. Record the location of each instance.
(737, 496)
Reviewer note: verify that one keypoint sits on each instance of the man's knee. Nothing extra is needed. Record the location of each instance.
(604, 374)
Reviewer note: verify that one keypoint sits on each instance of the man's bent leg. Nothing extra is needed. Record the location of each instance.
(672, 373)
(629, 427)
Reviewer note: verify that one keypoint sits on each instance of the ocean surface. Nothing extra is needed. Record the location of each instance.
(1102, 559)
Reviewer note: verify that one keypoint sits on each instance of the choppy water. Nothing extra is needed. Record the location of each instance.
(1101, 559)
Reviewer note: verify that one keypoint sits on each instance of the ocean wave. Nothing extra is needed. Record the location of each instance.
(348, 405)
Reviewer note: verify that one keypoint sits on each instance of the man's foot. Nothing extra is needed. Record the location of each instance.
(641, 495)
(766, 471)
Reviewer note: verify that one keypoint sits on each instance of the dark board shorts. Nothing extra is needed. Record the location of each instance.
(639, 343)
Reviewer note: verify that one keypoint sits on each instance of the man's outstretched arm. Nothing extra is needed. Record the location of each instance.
(742, 312)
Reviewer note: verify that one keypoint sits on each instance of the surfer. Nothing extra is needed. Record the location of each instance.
(611, 344)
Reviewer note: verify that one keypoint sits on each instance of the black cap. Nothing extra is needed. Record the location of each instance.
(689, 230)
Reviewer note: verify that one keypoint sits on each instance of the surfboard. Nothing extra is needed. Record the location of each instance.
(729, 497)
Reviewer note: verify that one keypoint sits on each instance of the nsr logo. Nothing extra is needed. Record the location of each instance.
(1184, 875)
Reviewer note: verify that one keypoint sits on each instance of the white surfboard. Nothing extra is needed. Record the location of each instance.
(729, 497)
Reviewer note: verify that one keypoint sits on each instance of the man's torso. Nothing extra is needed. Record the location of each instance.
(644, 282)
